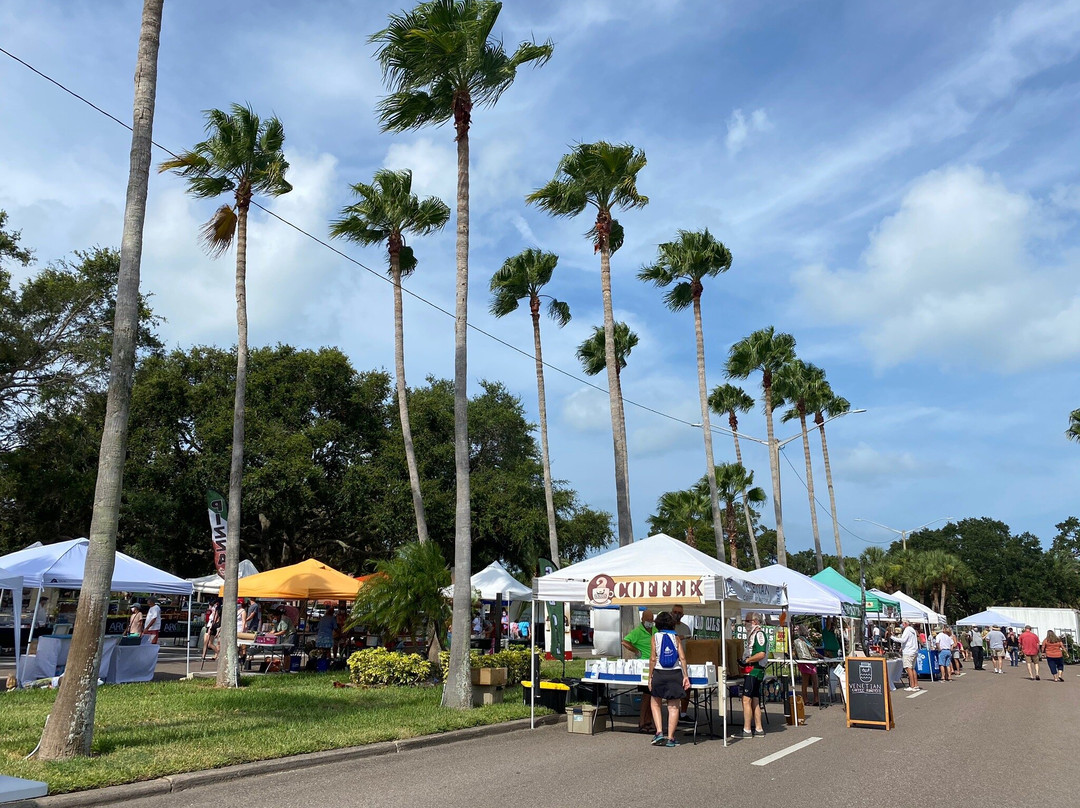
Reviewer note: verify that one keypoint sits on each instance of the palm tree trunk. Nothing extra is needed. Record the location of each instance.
(618, 418)
(228, 672)
(732, 550)
(545, 458)
(706, 428)
(774, 469)
(941, 605)
(403, 404)
(457, 690)
(810, 491)
(70, 730)
(832, 495)
(742, 493)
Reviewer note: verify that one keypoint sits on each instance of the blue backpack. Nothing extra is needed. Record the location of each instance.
(668, 657)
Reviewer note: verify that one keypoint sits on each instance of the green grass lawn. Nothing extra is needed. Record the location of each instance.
(150, 730)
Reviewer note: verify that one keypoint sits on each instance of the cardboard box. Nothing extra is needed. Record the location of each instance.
(489, 676)
(483, 695)
(585, 719)
(800, 710)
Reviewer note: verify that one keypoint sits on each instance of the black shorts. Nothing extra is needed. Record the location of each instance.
(667, 684)
(751, 687)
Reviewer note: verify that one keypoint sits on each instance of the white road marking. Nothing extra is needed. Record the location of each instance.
(765, 761)
(955, 675)
(916, 694)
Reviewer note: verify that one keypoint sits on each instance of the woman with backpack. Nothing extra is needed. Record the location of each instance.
(668, 678)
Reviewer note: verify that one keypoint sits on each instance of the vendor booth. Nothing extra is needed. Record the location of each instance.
(987, 618)
(60, 566)
(309, 580)
(660, 572)
(926, 663)
(494, 584)
(878, 606)
(13, 583)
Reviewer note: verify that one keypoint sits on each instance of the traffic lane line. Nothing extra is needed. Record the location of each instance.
(917, 693)
(765, 761)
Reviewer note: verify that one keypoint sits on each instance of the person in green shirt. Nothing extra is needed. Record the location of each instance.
(830, 643)
(638, 645)
(755, 652)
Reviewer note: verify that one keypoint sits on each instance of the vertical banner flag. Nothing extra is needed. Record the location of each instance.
(554, 637)
(219, 521)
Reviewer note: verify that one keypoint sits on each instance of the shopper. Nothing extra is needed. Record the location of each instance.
(909, 650)
(1054, 649)
(1012, 646)
(668, 680)
(683, 630)
(975, 643)
(755, 654)
(944, 643)
(1029, 647)
(957, 652)
(996, 641)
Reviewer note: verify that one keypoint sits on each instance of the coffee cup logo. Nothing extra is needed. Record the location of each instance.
(866, 672)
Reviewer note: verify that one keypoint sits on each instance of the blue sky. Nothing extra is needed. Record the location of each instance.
(898, 184)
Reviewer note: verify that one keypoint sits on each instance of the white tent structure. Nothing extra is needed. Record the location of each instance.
(493, 581)
(659, 571)
(807, 596)
(913, 611)
(14, 583)
(61, 565)
(211, 584)
(987, 618)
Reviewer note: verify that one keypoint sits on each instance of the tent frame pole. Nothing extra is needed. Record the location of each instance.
(723, 660)
(532, 662)
(187, 646)
(33, 620)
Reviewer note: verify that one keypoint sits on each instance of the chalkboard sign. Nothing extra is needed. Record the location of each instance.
(868, 700)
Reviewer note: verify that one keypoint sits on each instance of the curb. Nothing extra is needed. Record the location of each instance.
(114, 795)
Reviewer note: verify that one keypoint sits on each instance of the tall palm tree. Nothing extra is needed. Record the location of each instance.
(523, 277)
(736, 487)
(794, 383)
(682, 512)
(730, 400)
(825, 404)
(768, 352)
(386, 212)
(439, 61)
(70, 729)
(242, 155)
(943, 569)
(685, 263)
(1073, 432)
(602, 176)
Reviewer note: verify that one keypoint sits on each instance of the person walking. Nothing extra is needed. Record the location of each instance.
(1012, 646)
(975, 643)
(944, 643)
(668, 678)
(957, 653)
(996, 641)
(1054, 649)
(1029, 647)
(909, 650)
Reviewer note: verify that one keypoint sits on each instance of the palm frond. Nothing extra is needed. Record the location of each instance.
(217, 235)
(503, 302)
(559, 311)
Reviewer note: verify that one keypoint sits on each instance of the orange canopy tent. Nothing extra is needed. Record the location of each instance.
(308, 580)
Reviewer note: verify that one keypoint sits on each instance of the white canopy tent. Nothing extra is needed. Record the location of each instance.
(493, 581)
(913, 611)
(658, 571)
(987, 618)
(807, 596)
(61, 566)
(14, 583)
(211, 584)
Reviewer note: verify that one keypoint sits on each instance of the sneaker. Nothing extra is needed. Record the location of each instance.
(1036, 677)
(685, 719)
(759, 734)
(671, 743)
(909, 689)
(747, 733)
(658, 739)
(916, 688)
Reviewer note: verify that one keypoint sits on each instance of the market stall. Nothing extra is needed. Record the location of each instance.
(987, 618)
(61, 565)
(661, 571)
(13, 583)
(920, 614)
(309, 580)
(494, 584)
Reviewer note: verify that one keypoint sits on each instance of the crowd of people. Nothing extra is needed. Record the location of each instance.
(281, 622)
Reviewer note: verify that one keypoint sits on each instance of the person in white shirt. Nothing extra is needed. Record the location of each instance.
(152, 626)
(909, 649)
(944, 642)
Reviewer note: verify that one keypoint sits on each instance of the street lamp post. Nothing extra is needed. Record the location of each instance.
(904, 533)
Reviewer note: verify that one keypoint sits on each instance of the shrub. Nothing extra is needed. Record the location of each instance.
(516, 663)
(374, 667)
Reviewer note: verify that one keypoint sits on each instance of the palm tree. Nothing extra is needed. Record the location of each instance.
(70, 729)
(387, 210)
(439, 61)
(685, 263)
(604, 176)
(681, 512)
(1073, 432)
(736, 487)
(768, 352)
(729, 399)
(943, 569)
(242, 154)
(794, 383)
(825, 404)
(521, 277)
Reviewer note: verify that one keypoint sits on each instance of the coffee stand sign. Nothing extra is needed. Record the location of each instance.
(868, 699)
(643, 590)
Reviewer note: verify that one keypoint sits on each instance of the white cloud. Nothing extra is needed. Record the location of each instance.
(956, 275)
(433, 165)
(586, 410)
(740, 127)
(867, 464)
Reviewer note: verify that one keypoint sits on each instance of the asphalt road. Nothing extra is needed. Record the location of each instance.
(999, 739)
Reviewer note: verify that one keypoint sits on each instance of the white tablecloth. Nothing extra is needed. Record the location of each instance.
(132, 663)
(895, 668)
(52, 654)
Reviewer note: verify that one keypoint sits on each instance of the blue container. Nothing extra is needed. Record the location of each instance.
(927, 661)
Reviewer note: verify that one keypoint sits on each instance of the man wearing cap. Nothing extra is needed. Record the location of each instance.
(976, 645)
(996, 642)
(638, 645)
(152, 627)
(755, 653)
(909, 650)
